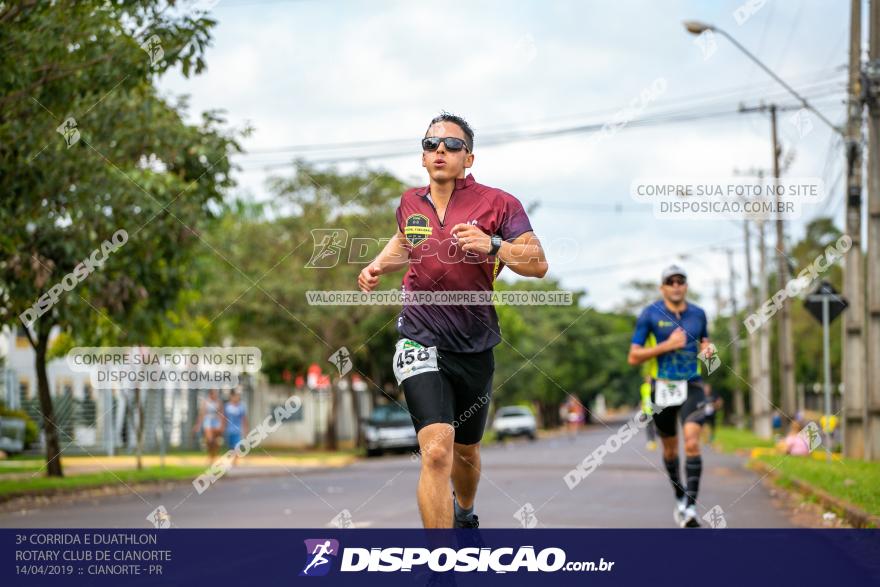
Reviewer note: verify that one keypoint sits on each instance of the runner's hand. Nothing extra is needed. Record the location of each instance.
(677, 340)
(472, 239)
(369, 278)
(707, 349)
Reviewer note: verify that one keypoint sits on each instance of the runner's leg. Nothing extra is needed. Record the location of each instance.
(672, 464)
(466, 473)
(472, 377)
(692, 417)
(693, 460)
(433, 494)
(665, 423)
(429, 399)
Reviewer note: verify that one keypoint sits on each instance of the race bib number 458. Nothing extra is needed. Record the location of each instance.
(411, 358)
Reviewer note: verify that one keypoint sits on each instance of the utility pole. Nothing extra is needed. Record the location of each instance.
(872, 78)
(785, 340)
(763, 424)
(719, 299)
(733, 333)
(786, 344)
(754, 337)
(854, 356)
(761, 390)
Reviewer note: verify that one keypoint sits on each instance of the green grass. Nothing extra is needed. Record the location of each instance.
(7, 467)
(851, 480)
(42, 484)
(731, 439)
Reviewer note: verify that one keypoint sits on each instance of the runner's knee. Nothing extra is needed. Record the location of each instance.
(469, 453)
(437, 457)
(435, 441)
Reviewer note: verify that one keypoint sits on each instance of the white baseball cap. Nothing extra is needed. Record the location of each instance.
(672, 270)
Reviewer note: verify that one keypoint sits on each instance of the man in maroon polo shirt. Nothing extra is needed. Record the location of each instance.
(453, 235)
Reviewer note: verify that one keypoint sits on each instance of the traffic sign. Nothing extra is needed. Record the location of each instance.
(836, 303)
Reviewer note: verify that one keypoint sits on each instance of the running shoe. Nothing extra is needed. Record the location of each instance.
(472, 521)
(678, 512)
(690, 518)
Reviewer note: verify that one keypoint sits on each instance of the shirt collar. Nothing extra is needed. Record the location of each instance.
(460, 184)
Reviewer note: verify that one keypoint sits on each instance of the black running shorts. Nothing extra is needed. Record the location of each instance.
(690, 411)
(458, 394)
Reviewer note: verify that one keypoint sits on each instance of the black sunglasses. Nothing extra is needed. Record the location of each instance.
(675, 281)
(452, 143)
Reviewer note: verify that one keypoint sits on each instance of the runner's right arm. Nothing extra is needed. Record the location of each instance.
(638, 353)
(394, 257)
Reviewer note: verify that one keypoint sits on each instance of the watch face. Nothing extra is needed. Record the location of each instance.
(496, 244)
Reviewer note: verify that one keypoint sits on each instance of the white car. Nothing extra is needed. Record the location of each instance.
(514, 421)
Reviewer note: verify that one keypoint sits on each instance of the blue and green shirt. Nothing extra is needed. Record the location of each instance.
(660, 321)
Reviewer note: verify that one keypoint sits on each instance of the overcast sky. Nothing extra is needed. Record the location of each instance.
(312, 72)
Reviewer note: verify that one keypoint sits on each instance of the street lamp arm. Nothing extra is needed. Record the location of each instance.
(697, 28)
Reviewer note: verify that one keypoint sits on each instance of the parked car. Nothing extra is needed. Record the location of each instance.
(514, 421)
(389, 427)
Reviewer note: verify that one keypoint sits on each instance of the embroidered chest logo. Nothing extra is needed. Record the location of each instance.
(417, 228)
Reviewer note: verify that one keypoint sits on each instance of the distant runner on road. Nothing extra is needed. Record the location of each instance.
(681, 332)
(453, 235)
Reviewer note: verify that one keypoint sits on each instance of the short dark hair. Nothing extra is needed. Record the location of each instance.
(461, 122)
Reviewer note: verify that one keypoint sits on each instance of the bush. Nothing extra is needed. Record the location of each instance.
(31, 430)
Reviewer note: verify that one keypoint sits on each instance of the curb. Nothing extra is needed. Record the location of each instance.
(853, 514)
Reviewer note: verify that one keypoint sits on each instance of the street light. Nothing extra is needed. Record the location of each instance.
(696, 27)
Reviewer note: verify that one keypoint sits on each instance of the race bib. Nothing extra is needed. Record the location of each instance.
(670, 393)
(411, 358)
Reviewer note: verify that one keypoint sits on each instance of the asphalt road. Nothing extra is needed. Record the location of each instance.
(628, 490)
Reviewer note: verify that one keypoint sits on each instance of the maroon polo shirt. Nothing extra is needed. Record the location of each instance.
(437, 263)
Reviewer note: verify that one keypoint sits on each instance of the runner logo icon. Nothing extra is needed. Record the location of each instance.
(318, 553)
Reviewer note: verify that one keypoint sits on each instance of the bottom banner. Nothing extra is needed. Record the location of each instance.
(439, 557)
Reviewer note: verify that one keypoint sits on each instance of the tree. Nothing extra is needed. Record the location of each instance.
(259, 292)
(88, 150)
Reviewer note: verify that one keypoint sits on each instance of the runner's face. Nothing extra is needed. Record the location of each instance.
(443, 164)
(675, 292)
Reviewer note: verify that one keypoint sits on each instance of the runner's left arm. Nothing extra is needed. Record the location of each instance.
(524, 254)
(704, 339)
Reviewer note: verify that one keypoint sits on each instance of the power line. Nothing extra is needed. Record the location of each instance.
(823, 75)
(681, 254)
(824, 84)
(519, 136)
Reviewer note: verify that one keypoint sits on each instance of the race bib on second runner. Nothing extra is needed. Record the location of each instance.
(670, 393)
(411, 358)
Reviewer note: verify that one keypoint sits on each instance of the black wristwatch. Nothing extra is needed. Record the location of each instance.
(496, 244)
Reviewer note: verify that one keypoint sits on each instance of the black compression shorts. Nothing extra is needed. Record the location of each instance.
(458, 394)
(690, 411)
